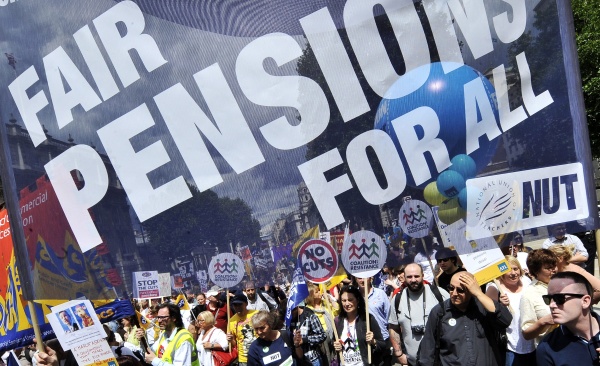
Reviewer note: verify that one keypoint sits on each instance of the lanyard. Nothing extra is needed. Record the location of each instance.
(408, 305)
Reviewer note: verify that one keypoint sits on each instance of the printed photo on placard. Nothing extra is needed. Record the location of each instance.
(75, 323)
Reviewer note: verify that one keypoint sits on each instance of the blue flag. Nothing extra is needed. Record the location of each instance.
(12, 359)
(298, 292)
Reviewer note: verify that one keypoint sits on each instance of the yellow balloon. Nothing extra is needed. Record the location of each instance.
(432, 195)
(450, 212)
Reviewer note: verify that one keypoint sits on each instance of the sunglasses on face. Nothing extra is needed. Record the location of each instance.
(443, 260)
(162, 317)
(459, 290)
(560, 299)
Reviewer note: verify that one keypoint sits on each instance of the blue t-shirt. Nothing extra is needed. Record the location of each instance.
(267, 353)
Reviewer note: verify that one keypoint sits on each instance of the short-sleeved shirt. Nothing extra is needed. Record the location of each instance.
(568, 239)
(532, 307)
(414, 317)
(270, 353)
(243, 332)
(561, 347)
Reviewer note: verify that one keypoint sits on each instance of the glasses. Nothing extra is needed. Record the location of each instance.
(443, 260)
(560, 299)
(459, 290)
(159, 318)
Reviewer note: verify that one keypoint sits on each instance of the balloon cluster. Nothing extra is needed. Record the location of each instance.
(449, 191)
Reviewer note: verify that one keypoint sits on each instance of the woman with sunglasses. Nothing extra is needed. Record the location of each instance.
(210, 338)
(536, 320)
(352, 329)
(520, 351)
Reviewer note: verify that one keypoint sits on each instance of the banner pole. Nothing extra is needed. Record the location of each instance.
(36, 327)
(367, 317)
(227, 310)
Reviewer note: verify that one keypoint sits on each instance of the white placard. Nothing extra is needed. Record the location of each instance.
(318, 260)
(75, 323)
(226, 270)
(164, 284)
(415, 218)
(146, 285)
(96, 353)
(364, 254)
(504, 203)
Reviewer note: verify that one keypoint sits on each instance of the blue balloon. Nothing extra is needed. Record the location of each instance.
(464, 165)
(444, 94)
(450, 183)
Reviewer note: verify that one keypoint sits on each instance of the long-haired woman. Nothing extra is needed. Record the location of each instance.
(352, 329)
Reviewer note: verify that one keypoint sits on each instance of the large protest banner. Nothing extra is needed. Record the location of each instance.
(325, 111)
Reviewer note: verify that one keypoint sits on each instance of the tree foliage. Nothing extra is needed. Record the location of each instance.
(204, 218)
(586, 14)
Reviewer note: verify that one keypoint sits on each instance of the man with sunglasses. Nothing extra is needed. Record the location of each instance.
(577, 340)
(447, 259)
(175, 345)
(463, 330)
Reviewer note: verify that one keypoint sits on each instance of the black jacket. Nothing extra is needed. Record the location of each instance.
(378, 350)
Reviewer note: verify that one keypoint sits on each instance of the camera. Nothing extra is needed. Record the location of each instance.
(417, 329)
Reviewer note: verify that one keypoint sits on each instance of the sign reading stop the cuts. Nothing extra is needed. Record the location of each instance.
(364, 254)
(146, 285)
(318, 260)
(226, 269)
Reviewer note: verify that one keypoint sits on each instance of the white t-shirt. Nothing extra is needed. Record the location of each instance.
(216, 336)
(350, 350)
(516, 342)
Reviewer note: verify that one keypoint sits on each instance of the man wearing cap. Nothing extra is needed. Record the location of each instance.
(447, 259)
(240, 332)
(308, 333)
(217, 307)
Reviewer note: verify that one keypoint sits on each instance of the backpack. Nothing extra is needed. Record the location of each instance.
(434, 289)
(264, 299)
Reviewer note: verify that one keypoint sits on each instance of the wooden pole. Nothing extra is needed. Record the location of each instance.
(36, 327)
(368, 322)
(227, 310)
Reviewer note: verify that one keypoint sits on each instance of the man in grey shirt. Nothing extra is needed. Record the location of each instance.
(410, 317)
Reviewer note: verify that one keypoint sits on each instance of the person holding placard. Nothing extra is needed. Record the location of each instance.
(379, 308)
(508, 290)
(352, 329)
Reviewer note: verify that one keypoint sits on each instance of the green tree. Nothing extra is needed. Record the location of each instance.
(586, 14)
(203, 218)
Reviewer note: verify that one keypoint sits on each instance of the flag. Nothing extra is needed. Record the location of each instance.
(181, 301)
(12, 61)
(12, 359)
(340, 274)
(312, 233)
(298, 291)
(144, 322)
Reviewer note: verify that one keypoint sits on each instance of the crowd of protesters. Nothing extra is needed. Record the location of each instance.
(424, 308)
